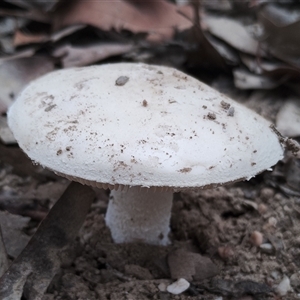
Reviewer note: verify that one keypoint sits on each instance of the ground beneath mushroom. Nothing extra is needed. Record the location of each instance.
(213, 244)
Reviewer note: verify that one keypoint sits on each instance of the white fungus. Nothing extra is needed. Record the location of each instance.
(159, 130)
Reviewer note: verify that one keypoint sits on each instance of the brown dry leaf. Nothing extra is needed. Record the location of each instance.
(268, 67)
(15, 74)
(80, 56)
(21, 39)
(158, 18)
(232, 32)
(56, 36)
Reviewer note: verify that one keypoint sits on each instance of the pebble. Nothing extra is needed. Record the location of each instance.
(284, 286)
(295, 280)
(256, 238)
(225, 252)
(262, 208)
(272, 221)
(266, 193)
(162, 287)
(178, 287)
(267, 248)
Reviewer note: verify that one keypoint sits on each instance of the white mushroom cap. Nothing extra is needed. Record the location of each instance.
(140, 125)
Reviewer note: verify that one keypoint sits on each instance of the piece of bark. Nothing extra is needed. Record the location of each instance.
(3, 256)
(31, 273)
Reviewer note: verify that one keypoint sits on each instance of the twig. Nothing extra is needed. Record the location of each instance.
(3, 256)
(31, 273)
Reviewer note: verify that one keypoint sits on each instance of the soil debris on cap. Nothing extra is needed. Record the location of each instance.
(211, 116)
(225, 105)
(230, 112)
(122, 80)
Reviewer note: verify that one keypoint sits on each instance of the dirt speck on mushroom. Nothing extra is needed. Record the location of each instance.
(211, 116)
(122, 80)
(225, 105)
(185, 170)
(230, 112)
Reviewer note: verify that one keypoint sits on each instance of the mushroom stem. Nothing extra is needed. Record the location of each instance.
(139, 215)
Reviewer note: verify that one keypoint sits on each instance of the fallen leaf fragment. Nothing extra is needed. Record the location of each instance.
(232, 32)
(6, 136)
(282, 41)
(32, 14)
(21, 38)
(16, 73)
(18, 54)
(288, 118)
(35, 4)
(81, 56)
(158, 18)
(247, 80)
(33, 270)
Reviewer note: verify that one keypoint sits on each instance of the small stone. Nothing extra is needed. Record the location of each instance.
(178, 287)
(262, 208)
(256, 238)
(162, 287)
(225, 252)
(267, 248)
(295, 280)
(284, 286)
(266, 193)
(272, 221)
(275, 275)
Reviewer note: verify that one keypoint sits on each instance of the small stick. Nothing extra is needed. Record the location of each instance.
(32, 271)
(3, 256)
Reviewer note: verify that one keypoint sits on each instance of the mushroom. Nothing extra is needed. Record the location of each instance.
(142, 131)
